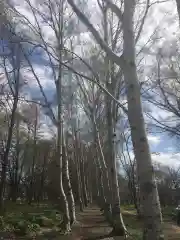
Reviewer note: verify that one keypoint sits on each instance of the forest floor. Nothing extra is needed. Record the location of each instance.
(43, 221)
(134, 226)
(93, 226)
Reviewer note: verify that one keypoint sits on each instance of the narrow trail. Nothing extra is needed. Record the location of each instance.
(93, 225)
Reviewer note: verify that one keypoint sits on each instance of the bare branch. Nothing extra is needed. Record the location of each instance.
(117, 59)
(99, 85)
(143, 21)
(114, 9)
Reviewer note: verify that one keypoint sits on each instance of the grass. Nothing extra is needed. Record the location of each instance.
(26, 220)
(134, 225)
(44, 220)
(168, 212)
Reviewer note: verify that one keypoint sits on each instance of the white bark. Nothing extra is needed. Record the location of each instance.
(77, 165)
(150, 202)
(83, 176)
(148, 188)
(102, 166)
(117, 220)
(66, 216)
(69, 194)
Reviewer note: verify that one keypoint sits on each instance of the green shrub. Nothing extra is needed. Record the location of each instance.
(21, 227)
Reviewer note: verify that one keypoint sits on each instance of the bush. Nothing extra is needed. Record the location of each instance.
(21, 227)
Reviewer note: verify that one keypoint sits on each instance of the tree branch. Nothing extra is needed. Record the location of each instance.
(117, 59)
(98, 84)
(114, 9)
(143, 21)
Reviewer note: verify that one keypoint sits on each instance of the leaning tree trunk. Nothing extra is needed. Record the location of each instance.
(114, 206)
(104, 183)
(63, 202)
(109, 154)
(148, 189)
(100, 152)
(117, 220)
(70, 196)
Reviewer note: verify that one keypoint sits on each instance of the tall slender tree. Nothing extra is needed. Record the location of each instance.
(150, 200)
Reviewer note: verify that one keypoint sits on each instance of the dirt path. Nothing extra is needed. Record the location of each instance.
(171, 231)
(93, 225)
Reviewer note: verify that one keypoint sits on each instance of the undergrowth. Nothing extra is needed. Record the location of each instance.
(25, 220)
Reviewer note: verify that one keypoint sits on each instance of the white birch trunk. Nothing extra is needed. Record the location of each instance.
(76, 157)
(148, 189)
(69, 193)
(117, 220)
(65, 207)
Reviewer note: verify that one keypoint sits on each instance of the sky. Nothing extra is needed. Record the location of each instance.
(162, 15)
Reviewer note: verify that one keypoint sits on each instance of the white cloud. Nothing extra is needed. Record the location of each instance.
(169, 159)
(154, 139)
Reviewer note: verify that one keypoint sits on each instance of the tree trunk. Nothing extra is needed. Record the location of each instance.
(64, 202)
(42, 180)
(70, 196)
(31, 187)
(84, 187)
(104, 200)
(7, 149)
(76, 157)
(148, 189)
(102, 163)
(178, 9)
(16, 167)
(117, 220)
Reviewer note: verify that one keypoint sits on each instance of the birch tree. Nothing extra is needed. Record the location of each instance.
(127, 61)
